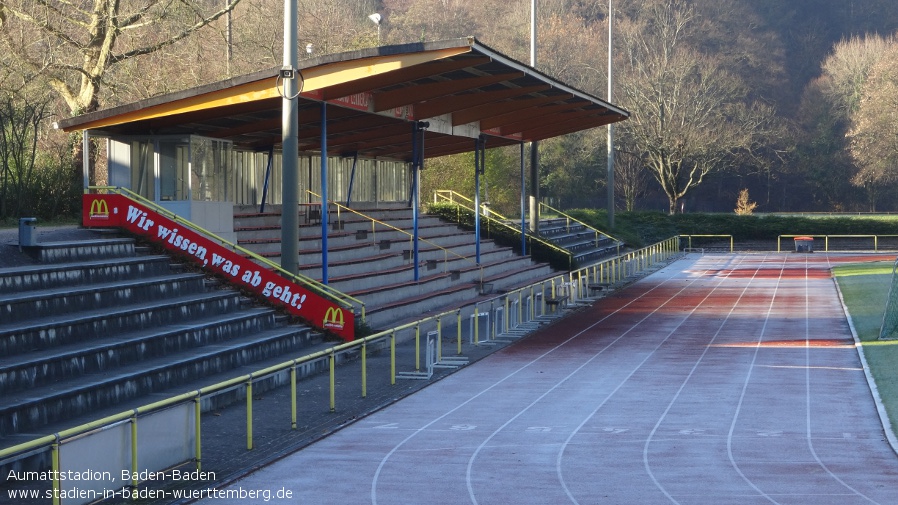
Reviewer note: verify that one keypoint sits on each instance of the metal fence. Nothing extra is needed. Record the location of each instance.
(167, 433)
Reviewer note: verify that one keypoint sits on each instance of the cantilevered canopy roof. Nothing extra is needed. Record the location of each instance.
(460, 87)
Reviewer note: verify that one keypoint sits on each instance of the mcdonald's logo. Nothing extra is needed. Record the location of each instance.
(99, 209)
(333, 318)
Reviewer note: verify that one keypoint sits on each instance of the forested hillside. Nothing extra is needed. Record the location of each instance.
(791, 100)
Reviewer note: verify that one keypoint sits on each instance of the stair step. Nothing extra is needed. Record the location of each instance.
(48, 276)
(68, 300)
(59, 330)
(100, 354)
(82, 250)
(42, 405)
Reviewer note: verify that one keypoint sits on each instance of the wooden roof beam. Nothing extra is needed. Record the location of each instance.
(456, 103)
(403, 75)
(409, 95)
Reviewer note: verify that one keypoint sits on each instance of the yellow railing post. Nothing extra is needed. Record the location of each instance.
(54, 465)
(417, 347)
(332, 365)
(476, 325)
(506, 311)
(492, 329)
(393, 358)
(440, 337)
(293, 396)
(458, 329)
(197, 421)
(134, 468)
(249, 413)
(364, 369)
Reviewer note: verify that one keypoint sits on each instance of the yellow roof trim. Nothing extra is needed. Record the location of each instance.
(314, 78)
(249, 92)
(345, 71)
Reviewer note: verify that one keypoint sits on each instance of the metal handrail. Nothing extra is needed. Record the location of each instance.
(826, 238)
(609, 271)
(321, 289)
(374, 221)
(572, 218)
(441, 194)
(501, 222)
(690, 237)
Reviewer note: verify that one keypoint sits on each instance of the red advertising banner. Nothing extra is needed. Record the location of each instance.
(114, 210)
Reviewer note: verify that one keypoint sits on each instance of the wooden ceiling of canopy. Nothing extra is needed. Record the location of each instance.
(462, 88)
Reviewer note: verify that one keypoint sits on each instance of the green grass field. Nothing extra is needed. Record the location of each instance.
(865, 288)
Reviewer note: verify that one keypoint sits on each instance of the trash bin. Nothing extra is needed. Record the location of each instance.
(804, 244)
(27, 232)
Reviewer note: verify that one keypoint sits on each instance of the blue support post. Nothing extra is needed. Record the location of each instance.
(523, 206)
(416, 159)
(267, 176)
(355, 161)
(324, 218)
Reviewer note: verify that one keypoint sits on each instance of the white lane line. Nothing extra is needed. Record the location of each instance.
(560, 457)
(645, 450)
(745, 384)
(807, 375)
(470, 471)
(392, 451)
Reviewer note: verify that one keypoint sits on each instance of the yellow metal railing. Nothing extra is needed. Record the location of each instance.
(690, 237)
(450, 196)
(446, 252)
(313, 285)
(826, 239)
(569, 218)
(578, 284)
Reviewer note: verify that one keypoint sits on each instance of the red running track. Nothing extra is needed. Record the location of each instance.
(721, 379)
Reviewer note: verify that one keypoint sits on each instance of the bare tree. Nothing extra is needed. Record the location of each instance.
(688, 118)
(874, 132)
(20, 121)
(630, 179)
(72, 45)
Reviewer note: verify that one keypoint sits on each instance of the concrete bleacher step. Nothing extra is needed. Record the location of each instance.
(37, 406)
(459, 293)
(66, 300)
(374, 268)
(377, 267)
(34, 277)
(579, 240)
(95, 323)
(104, 352)
(438, 278)
(82, 250)
(49, 330)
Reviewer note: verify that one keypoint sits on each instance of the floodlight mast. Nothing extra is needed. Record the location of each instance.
(290, 145)
(376, 18)
(610, 167)
(534, 146)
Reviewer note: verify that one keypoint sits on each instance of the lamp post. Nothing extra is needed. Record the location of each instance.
(290, 143)
(534, 146)
(610, 168)
(376, 19)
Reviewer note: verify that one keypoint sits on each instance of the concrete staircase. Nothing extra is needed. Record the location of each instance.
(579, 240)
(96, 322)
(373, 262)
